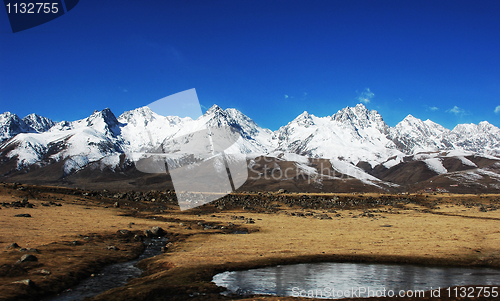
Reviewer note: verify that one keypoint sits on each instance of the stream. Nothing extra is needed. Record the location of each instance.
(111, 276)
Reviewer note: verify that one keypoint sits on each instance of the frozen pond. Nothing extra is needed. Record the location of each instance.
(341, 280)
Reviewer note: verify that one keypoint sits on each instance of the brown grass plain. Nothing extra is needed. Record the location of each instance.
(443, 229)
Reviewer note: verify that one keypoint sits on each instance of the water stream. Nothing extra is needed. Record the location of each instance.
(340, 280)
(111, 276)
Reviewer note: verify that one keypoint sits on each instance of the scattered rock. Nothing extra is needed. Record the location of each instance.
(27, 282)
(117, 205)
(113, 248)
(137, 237)
(42, 272)
(28, 257)
(148, 233)
(31, 250)
(157, 231)
(23, 215)
(12, 246)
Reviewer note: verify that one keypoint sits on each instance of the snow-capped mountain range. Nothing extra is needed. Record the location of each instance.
(357, 142)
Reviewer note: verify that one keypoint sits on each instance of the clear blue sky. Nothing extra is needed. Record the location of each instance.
(270, 59)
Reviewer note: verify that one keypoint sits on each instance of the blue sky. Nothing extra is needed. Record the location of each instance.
(272, 60)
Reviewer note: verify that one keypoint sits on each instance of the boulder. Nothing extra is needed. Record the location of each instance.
(27, 282)
(12, 246)
(27, 258)
(148, 233)
(23, 215)
(158, 231)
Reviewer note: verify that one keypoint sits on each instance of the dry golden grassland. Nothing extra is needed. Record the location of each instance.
(450, 232)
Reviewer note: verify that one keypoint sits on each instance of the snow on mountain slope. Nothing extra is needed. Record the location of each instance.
(352, 134)
(102, 135)
(346, 138)
(11, 125)
(87, 140)
(142, 129)
(254, 138)
(483, 138)
(413, 135)
(488, 177)
(38, 123)
(436, 165)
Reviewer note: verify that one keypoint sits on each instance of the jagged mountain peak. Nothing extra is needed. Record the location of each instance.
(360, 117)
(349, 113)
(354, 134)
(38, 123)
(11, 125)
(305, 119)
(234, 118)
(486, 124)
(214, 109)
(6, 115)
(411, 118)
(105, 115)
(142, 114)
(483, 126)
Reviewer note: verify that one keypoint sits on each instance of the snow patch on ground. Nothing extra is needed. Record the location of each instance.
(112, 161)
(75, 163)
(306, 169)
(295, 157)
(436, 165)
(469, 176)
(393, 162)
(466, 161)
(353, 171)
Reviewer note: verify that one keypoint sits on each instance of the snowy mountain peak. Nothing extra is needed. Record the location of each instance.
(38, 123)
(105, 116)
(305, 119)
(11, 125)
(486, 125)
(352, 135)
(213, 110)
(413, 135)
(104, 121)
(359, 117)
(410, 118)
(142, 114)
(6, 115)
